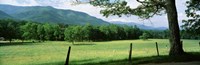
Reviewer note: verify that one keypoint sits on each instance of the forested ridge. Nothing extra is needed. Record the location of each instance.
(43, 14)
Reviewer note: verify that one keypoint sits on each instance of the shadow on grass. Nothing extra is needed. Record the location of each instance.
(83, 44)
(15, 43)
(53, 63)
(148, 40)
(191, 56)
(79, 62)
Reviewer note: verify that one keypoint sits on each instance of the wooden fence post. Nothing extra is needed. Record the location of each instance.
(157, 48)
(130, 52)
(68, 54)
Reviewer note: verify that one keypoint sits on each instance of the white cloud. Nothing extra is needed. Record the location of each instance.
(26, 2)
(19, 2)
(13, 2)
(119, 19)
(132, 3)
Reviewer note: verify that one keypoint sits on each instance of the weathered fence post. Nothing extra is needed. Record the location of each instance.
(68, 54)
(130, 52)
(157, 48)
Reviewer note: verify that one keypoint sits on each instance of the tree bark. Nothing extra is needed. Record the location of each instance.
(175, 45)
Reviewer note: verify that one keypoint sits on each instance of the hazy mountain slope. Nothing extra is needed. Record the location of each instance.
(139, 25)
(50, 14)
(3, 15)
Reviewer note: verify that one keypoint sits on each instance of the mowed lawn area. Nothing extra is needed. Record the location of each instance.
(55, 52)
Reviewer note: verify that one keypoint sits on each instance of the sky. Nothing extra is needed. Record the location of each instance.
(156, 21)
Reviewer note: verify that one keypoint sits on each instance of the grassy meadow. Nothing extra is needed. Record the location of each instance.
(55, 52)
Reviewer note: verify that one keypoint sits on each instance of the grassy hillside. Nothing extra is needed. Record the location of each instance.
(50, 14)
(54, 52)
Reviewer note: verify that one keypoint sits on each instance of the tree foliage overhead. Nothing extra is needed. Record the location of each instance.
(147, 9)
(192, 25)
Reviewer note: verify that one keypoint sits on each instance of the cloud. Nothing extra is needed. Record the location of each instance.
(132, 3)
(19, 2)
(119, 19)
(13, 2)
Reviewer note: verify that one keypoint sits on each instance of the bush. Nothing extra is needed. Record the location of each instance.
(144, 36)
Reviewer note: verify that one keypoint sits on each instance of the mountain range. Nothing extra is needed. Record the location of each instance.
(4, 15)
(139, 25)
(48, 14)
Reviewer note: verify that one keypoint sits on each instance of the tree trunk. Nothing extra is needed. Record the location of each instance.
(175, 45)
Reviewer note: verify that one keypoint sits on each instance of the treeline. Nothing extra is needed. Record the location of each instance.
(24, 30)
(157, 34)
(164, 34)
(101, 33)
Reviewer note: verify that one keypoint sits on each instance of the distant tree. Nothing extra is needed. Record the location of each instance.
(49, 31)
(97, 35)
(188, 35)
(78, 33)
(41, 32)
(128, 30)
(74, 33)
(144, 36)
(57, 32)
(113, 32)
(11, 31)
(18, 32)
(121, 33)
(137, 32)
(158, 34)
(69, 34)
(30, 31)
(87, 32)
(106, 32)
(8, 29)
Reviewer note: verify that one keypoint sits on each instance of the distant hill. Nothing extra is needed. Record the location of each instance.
(4, 15)
(139, 25)
(49, 14)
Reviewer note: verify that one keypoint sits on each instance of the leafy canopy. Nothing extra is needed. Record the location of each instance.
(147, 9)
(192, 25)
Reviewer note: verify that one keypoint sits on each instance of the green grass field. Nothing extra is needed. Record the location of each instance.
(55, 52)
